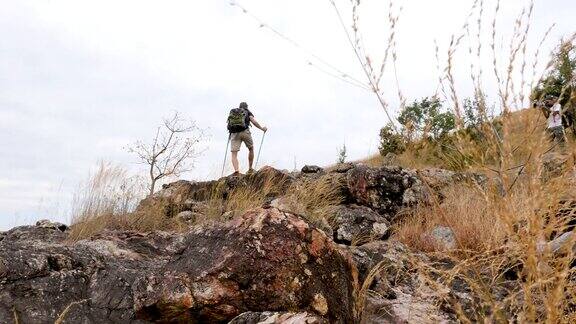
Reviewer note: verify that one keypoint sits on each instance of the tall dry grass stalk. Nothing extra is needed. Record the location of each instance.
(501, 229)
(62, 317)
(15, 314)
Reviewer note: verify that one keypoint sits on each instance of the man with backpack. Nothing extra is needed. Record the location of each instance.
(239, 121)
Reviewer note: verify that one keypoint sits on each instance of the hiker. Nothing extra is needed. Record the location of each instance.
(555, 127)
(239, 122)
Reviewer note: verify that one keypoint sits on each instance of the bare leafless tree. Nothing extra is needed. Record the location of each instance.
(172, 151)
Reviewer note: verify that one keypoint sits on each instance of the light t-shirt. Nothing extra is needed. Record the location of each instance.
(555, 120)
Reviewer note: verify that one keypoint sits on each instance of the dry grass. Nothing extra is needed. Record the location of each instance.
(224, 204)
(465, 211)
(65, 312)
(15, 314)
(107, 199)
(315, 199)
(310, 199)
(498, 232)
(362, 292)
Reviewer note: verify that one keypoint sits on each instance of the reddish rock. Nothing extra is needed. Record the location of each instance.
(265, 260)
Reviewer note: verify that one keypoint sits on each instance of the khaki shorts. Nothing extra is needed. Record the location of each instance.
(237, 138)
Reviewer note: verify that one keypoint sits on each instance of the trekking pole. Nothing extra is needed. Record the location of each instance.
(260, 150)
(226, 154)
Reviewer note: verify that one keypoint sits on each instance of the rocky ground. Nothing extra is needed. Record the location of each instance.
(268, 265)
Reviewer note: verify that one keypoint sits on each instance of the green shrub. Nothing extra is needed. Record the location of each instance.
(558, 82)
(391, 141)
(427, 118)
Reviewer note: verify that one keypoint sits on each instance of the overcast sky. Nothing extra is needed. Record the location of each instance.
(80, 80)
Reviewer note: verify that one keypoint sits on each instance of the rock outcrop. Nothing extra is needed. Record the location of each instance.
(385, 190)
(267, 265)
(265, 260)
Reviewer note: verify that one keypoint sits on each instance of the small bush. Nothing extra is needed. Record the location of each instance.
(342, 154)
(390, 141)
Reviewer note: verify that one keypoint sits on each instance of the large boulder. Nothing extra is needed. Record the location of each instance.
(44, 277)
(265, 260)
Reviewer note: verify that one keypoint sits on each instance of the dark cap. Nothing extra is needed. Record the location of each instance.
(243, 105)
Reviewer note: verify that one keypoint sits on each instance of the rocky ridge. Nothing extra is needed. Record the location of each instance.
(268, 265)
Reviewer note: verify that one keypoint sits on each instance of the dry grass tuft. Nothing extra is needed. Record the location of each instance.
(106, 201)
(315, 199)
(465, 211)
(309, 199)
(362, 292)
(254, 192)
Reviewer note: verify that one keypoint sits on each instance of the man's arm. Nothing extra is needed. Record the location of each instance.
(263, 128)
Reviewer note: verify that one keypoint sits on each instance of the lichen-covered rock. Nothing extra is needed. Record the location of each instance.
(43, 275)
(263, 260)
(554, 165)
(391, 254)
(44, 223)
(388, 190)
(442, 237)
(342, 167)
(311, 169)
(381, 189)
(358, 225)
(278, 318)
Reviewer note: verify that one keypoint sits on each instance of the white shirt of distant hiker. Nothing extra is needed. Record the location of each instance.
(555, 118)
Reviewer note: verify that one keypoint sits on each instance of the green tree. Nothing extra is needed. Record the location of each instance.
(560, 79)
(427, 117)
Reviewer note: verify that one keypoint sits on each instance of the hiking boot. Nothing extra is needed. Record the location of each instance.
(235, 174)
(250, 171)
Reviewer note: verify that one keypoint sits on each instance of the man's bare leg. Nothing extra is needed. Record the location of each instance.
(250, 158)
(235, 161)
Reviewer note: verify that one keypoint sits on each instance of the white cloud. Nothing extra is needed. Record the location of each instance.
(81, 79)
